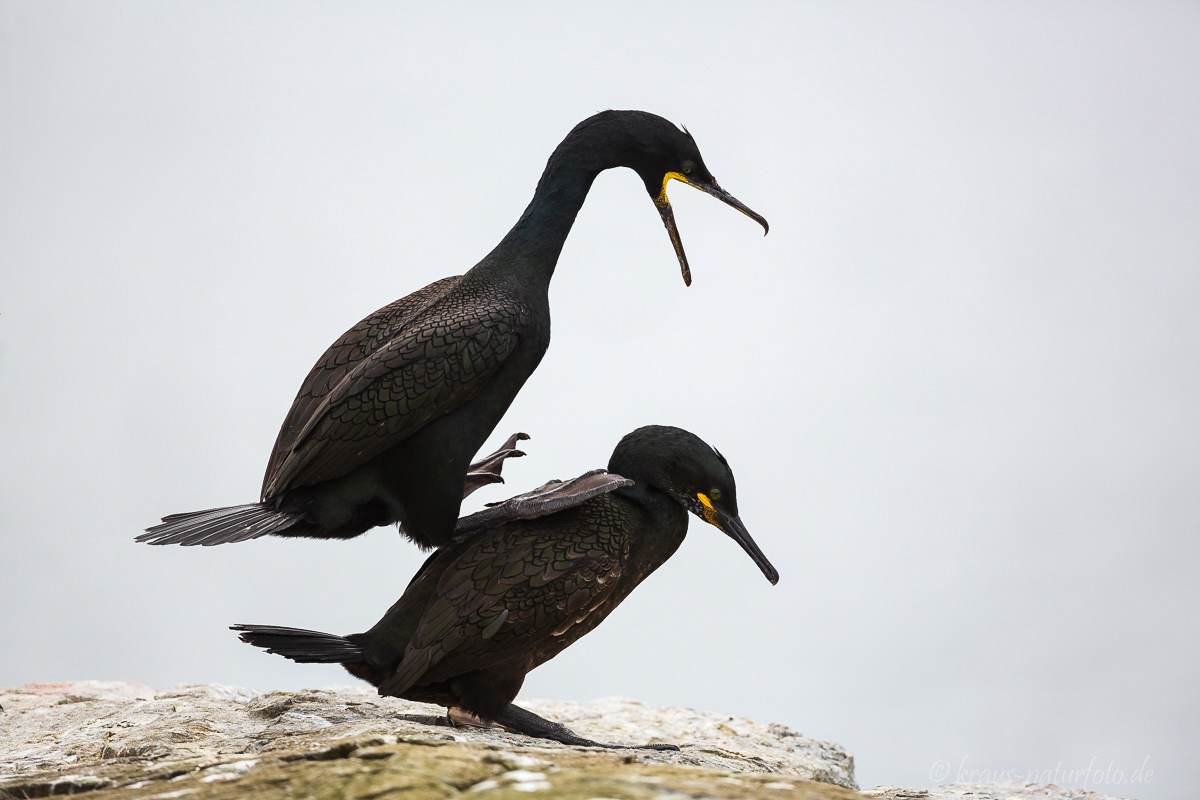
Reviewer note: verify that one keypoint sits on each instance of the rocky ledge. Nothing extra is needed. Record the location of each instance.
(122, 739)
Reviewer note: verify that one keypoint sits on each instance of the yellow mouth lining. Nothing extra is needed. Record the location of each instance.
(671, 176)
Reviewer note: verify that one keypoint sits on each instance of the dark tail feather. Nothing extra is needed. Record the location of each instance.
(220, 525)
(305, 647)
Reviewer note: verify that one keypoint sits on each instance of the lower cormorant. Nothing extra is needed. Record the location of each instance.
(523, 580)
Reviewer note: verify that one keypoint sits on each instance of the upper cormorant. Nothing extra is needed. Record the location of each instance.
(386, 423)
(524, 580)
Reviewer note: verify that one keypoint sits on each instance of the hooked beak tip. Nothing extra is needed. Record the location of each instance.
(716, 191)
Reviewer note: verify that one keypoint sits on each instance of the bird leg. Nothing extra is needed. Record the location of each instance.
(487, 469)
(519, 720)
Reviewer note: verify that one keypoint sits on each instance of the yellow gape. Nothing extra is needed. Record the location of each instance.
(710, 513)
(670, 176)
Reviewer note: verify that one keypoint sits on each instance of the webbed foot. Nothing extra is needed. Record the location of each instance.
(519, 720)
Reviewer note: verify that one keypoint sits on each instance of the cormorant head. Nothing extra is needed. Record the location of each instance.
(660, 152)
(694, 474)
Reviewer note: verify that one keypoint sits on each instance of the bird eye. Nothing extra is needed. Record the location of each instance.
(715, 494)
(688, 167)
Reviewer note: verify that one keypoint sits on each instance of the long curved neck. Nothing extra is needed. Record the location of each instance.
(529, 252)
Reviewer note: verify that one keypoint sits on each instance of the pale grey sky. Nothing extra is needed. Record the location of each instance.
(958, 382)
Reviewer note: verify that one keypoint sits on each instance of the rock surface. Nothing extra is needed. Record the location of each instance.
(122, 739)
(106, 736)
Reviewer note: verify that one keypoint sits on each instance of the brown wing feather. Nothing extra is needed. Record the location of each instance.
(438, 362)
(516, 589)
(353, 347)
(548, 498)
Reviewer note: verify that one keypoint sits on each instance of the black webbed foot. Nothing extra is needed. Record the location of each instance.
(519, 720)
(487, 469)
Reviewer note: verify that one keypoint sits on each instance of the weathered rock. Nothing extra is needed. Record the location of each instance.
(113, 736)
(125, 740)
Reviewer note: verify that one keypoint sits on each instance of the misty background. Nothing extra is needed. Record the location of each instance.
(958, 382)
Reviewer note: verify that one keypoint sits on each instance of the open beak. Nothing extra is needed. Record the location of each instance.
(668, 216)
(731, 525)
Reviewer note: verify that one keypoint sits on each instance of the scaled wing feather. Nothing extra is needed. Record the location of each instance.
(429, 371)
(548, 498)
(353, 347)
(484, 612)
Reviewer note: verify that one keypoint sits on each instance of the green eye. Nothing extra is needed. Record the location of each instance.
(687, 169)
(715, 494)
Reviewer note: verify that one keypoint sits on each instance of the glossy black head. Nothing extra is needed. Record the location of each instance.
(660, 152)
(694, 474)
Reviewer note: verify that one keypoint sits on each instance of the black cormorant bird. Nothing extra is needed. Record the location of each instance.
(524, 580)
(385, 425)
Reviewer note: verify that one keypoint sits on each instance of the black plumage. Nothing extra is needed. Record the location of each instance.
(385, 424)
(522, 582)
